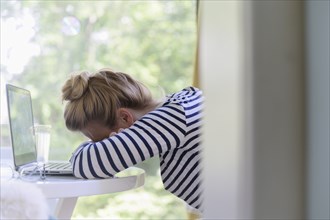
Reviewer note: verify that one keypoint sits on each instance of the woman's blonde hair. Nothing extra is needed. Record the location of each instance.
(97, 96)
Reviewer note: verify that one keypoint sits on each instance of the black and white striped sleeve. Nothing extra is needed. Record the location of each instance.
(157, 132)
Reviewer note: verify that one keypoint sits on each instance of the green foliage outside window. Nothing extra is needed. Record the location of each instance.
(42, 42)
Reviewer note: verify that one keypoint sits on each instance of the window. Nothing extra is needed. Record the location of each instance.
(42, 42)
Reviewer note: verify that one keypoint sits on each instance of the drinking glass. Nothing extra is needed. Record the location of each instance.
(42, 138)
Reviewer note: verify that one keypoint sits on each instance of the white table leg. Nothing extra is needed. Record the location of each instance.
(65, 207)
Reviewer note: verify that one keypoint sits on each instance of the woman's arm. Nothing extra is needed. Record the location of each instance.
(156, 132)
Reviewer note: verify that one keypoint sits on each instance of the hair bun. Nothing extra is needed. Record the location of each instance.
(75, 87)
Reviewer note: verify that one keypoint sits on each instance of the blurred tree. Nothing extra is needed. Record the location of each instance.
(154, 41)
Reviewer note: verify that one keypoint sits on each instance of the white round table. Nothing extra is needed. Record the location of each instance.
(62, 192)
(65, 190)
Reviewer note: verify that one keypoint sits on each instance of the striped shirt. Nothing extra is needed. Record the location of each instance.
(172, 132)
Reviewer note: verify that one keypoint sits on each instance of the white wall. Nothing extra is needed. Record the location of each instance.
(317, 47)
(252, 70)
(278, 122)
(221, 76)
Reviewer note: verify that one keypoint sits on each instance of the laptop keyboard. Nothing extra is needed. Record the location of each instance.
(58, 166)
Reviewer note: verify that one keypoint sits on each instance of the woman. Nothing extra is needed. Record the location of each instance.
(127, 126)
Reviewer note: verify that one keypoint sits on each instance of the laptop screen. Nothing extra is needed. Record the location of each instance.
(21, 125)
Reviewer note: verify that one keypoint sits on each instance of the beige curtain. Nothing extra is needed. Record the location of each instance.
(196, 77)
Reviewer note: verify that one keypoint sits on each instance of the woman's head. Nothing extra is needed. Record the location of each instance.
(96, 97)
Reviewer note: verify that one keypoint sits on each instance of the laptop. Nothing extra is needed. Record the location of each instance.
(21, 123)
